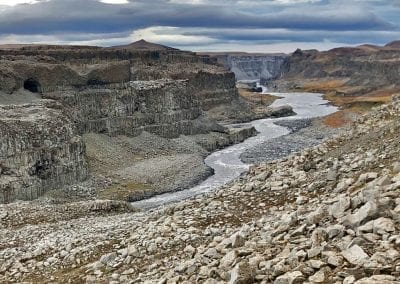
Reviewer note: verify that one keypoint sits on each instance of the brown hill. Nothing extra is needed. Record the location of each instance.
(394, 44)
(144, 45)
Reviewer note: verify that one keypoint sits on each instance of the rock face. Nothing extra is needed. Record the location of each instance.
(262, 67)
(164, 107)
(247, 66)
(122, 91)
(351, 71)
(113, 91)
(39, 150)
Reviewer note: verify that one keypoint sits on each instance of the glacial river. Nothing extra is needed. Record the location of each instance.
(227, 164)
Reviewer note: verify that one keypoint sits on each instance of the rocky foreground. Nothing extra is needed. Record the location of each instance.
(330, 214)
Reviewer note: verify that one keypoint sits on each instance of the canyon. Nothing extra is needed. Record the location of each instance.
(363, 70)
(64, 110)
(86, 132)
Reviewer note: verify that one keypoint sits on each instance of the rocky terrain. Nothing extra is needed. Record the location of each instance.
(82, 128)
(328, 214)
(58, 101)
(365, 70)
(304, 133)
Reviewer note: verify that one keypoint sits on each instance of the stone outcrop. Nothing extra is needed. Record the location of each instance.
(39, 150)
(164, 107)
(122, 91)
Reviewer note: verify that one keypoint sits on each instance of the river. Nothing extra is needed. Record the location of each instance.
(227, 164)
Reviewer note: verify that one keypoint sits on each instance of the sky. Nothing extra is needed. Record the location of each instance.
(203, 25)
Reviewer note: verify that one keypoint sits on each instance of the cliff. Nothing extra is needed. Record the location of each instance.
(51, 95)
(39, 149)
(248, 66)
(363, 70)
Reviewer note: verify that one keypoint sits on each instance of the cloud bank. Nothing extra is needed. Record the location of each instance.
(253, 25)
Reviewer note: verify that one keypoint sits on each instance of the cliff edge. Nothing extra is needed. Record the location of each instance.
(51, 96)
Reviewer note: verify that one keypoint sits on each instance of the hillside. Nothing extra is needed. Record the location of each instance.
(143, 45)
(327, 214)
(363, 70)
(393, 44)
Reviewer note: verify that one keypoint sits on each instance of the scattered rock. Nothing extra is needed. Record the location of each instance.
(355, 255)
(242, 274)
(295, 277)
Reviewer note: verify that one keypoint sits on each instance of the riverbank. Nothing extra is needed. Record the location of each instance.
(304, 133)
(227, 164)
(134, 168)
(327, 214)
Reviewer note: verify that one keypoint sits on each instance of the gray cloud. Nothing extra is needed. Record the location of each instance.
(203, 21)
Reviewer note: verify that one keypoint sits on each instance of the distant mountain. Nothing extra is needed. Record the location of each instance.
(394, 44)
(45, 47)
(369, 47)
(144, 45)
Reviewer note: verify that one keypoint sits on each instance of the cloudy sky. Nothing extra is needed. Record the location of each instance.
(212, 25)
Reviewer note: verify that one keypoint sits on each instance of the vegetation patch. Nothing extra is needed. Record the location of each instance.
(337, 119)
(354, 105)
(324, 85)
(124, 191)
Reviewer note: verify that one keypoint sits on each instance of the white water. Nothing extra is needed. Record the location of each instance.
(227, 164)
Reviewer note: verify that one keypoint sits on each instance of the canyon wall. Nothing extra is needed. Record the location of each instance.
(348, 71)
(248, 66)
(39, 149)
(51, 95)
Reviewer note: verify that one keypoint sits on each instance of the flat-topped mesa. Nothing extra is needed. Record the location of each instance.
(39, 150)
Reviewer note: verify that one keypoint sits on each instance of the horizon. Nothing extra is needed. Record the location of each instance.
(254, 26)
(11, 46)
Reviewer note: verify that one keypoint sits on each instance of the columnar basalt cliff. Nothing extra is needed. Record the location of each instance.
(50, 95)
(163, 107)
(39, 149)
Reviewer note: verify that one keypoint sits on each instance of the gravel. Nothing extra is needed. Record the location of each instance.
(305, 133)
(329, 214)
(152, 164)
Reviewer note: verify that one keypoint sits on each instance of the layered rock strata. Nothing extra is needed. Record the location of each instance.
(348, 71)
(115, 91)
(253, 66)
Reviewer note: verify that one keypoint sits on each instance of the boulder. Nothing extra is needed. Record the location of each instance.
(377, 279)
(355, 255)
(295, 277)
(339, 208)
(367, 212)
(242, 274)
